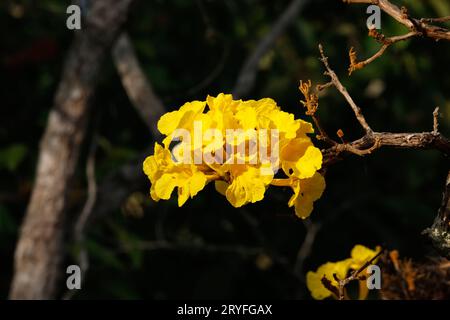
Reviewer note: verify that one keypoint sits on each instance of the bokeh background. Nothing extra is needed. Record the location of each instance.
(189, 49)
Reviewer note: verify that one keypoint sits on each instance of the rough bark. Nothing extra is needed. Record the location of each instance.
(439, 232)
(39, 250)
(376, 140)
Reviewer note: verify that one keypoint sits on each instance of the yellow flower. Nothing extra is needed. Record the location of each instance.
(300, 158)
(314, 279)
(306, 191)
(248, 185)
(359, 256)
(180, 119)
(165, 175)
(238, 144)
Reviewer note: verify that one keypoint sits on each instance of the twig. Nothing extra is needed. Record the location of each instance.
(337, 83)
(372, 141)
(419, 25)
(247, 75)
(435, 20)
(311, 103)
(312, 228)
(387, 42)
(436, 121)
(79, 234)
(353, 276)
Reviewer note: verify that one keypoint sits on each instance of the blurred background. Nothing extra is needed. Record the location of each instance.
(188, 49)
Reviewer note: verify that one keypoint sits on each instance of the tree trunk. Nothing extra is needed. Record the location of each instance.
(39, 251)
(439, 232)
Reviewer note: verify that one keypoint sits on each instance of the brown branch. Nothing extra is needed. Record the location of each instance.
(423, 26)
(372, 141)
(387, 42)
(136, 84)
(119, 184)
(337, 83)
(423, 140)
(435, 20)
(40, 246)
(247, 74)
(436, 120)
(417, 27)
(311, 103)
(342, 283)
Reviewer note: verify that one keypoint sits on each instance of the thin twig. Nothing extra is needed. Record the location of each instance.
(436, 121)
(247, 74)
(79, 230)
(312, 228)
(387, 42)
(420, 25)
(435, 20)
(337, 83)
(342, 283)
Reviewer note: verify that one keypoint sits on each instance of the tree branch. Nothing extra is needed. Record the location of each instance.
(423, 140)
(136, 84)
(418, 27)
(39, 250)
(371, 141)
(422, 27)
(338, 85)
(386, 43)
(247, 75)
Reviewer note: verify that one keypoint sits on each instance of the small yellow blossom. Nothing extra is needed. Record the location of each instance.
(359, 256)
(306, 191)
(314, 279)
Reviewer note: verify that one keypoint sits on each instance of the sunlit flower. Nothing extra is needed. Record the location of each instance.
(239, 145)
(360, 255)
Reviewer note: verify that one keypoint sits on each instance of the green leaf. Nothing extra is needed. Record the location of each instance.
(12, 156)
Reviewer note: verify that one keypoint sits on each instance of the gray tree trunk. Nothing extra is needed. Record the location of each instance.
(39, 251)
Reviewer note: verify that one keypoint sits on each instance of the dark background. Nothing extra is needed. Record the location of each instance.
(385, 199)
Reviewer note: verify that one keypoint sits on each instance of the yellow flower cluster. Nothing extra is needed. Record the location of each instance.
(358, 257)
(239, 145)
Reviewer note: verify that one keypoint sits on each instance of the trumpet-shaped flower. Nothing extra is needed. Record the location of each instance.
(306, 191)
(239, 145)
(360, 255)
